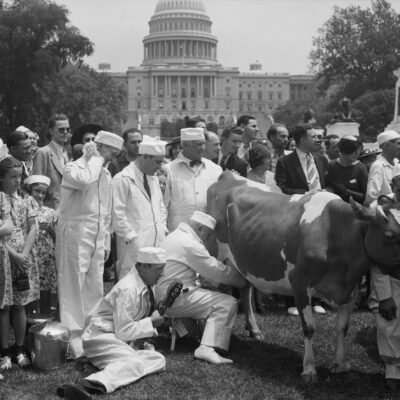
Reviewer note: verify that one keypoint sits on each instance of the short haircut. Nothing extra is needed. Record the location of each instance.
(273, 130)
(299, 131)
(244, 120)
(15, 137)
(125, 135)
(56, 117)
(191, 123)
(226, 134)
(328, 140)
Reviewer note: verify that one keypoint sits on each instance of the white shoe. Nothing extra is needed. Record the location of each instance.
(319, 310)
(293, 311)
(209, 354)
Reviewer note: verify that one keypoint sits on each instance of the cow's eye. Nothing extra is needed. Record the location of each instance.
(390, 237)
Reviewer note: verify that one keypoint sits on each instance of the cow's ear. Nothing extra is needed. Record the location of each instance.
(385, 200)
(363, 213)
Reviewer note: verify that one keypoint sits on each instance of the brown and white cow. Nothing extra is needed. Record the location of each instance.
(301, 245)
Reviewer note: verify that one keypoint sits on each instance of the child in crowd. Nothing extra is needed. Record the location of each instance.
(24, 270)
(44, 246)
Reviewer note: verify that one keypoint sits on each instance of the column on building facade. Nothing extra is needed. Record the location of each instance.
(179, 87)
(157, 86)
(197, 49)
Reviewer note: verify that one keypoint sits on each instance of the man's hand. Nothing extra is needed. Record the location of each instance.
(90, 150)
(156, 319)
(388, 309)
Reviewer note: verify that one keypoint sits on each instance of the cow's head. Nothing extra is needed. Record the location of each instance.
(382, 239)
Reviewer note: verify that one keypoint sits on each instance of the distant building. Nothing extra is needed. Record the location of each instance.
(180, 76)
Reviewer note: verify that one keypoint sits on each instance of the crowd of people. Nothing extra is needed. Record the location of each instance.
(67, 206)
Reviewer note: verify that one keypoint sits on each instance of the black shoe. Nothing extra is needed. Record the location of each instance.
(77, 392)
(61, 391)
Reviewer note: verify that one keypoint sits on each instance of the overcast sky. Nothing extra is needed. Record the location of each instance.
(278, 33)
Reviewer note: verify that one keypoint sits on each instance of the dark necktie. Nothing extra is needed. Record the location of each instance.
(146, 186)
(152, 300)
(195, 162)
(222, 164)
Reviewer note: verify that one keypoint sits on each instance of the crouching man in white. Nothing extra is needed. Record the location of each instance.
(187, 257)
(126, 314)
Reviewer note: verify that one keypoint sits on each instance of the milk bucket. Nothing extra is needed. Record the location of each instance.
(49, 342)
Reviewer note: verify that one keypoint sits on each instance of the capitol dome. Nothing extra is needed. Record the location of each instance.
(180, 33)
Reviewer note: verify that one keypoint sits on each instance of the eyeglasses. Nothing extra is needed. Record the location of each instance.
(89, 139)
(64, 130)
(135, 141)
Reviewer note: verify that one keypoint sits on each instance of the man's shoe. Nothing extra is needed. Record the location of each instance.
(319, 309)
(293, 311)
(76, 392)
(209, 354)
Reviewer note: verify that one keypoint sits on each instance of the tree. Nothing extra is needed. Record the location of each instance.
(36, 42)
(86, 95)
(358, 49)
(375, 110)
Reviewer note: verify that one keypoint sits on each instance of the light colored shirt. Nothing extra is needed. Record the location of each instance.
(243, 151)
(186, 188)
(303, 157)
(124, 311)
(62, 154)
(187, 257)
(379, 179)
(268, 179)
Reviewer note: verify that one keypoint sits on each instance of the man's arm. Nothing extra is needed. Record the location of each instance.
(281, 177)
(374, 186)
(77, 178)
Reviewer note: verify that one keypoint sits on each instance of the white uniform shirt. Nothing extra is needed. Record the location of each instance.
(86, 194)
(186, 189)
(187, 257)
(124, 310)
(379, 179)
(134, 215)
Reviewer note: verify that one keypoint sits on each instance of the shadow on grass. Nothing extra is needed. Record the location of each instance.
(366, 337)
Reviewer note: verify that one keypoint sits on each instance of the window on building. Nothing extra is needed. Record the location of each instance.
(248, 95)
(270, 96)
(184, 105)
(206, 104)
(161, 106)
(259, 95)
(151, 120)
(192, 92)
(206, 92)
(279, 96)
(260, 107)
(240, 95)
(183, 92)
(228, 91)
(174, 92)
(138, 91)
(250, 107)
(228, 105)
(139, 105)
(241, 107)
(160, 92)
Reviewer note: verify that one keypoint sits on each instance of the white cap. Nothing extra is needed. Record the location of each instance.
(110, 139)
(152, 147)
(204, 219)
(192, 134)
(386, 137)
(30, 180)
(152, 255)
(23, 129)
(396, 170)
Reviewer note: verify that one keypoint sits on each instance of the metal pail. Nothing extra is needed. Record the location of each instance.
(50, 342)
(32, 320)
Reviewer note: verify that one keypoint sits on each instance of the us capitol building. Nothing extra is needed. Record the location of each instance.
(180, 76)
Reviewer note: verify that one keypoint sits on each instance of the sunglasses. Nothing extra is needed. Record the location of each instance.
(89, 139)
(64, 130)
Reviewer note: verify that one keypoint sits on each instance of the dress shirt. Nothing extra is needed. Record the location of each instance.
(62, 154)
(379, 179)
(303, 161)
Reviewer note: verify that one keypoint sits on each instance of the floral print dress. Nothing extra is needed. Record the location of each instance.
(6, 292)
(44, 249)
(22, 209)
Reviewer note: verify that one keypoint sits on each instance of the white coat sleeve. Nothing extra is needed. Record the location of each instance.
(107, 222)
(200, 260)
(127, 327)
(77, 178)
(374, 186)
(120, 194)
(382, 284)
(167, 192)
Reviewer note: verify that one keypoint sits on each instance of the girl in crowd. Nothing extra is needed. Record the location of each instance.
(347, 177)
(44, 246)
(24, 271)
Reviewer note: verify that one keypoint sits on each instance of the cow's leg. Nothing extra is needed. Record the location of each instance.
(342, 325)
(251, 323)
(303, 304)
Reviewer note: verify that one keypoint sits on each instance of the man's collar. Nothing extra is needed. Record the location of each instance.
(58, 147)
(386, 162)
(188, 229)
(182, 159)
(141, 285)
(301, 153)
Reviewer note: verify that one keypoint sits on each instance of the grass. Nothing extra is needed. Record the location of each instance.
(262, 370)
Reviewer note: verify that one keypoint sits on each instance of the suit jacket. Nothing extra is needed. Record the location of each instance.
(235, 164)
(46, 162)
(290, 176)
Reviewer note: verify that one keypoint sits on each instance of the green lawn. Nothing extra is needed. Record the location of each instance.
(261, 370)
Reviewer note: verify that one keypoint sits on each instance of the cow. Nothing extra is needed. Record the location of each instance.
(301, 245)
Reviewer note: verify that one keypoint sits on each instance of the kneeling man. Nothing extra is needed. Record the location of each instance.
(186, 258)
(126, 314)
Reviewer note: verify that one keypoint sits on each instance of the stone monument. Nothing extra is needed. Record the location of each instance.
(395, 124)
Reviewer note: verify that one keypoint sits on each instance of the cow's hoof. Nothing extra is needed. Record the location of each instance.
(345, 367)
(309, 378)
(257, 335)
